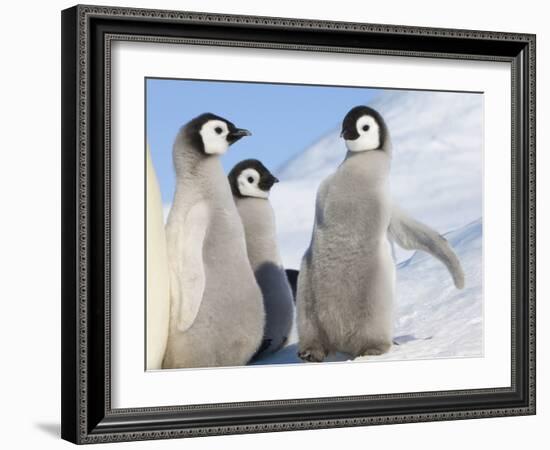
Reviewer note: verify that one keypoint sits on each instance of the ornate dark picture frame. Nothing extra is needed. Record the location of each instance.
(87, 34)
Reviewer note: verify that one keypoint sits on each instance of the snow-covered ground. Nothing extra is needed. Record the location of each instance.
(437, 177)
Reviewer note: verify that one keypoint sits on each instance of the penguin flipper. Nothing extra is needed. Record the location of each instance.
(320, 200)
(413, 235)
(187, 273)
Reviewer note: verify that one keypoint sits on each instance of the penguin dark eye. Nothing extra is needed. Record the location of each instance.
(250, 180)
(218, 130)
(366, 128)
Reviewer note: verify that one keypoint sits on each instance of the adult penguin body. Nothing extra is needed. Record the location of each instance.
(250, 183)
(217, 314)
(346, 284)
(158, 287)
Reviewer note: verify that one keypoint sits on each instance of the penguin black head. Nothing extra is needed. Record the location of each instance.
(364, 129)
(211, 134)
(250, 178)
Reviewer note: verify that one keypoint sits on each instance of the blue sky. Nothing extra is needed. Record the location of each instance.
(283, 119)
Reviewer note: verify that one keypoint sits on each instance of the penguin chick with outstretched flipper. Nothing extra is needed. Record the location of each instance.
(251, 183)
(346, 284)
(216, 314)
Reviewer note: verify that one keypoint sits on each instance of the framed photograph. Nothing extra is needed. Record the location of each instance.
(281, 224)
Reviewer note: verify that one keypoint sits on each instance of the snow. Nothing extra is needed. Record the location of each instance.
(436, 176)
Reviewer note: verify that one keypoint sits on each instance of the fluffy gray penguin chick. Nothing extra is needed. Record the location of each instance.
(216, 306)
(346, 284)
(251, 183)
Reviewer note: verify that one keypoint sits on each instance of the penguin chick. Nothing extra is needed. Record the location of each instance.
(345, 291)
(250, 183)
(216, 306)
(349, 257)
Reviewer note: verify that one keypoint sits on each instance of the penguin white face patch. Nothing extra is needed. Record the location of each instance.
(369, 135)
(214, 137)
(248, 181)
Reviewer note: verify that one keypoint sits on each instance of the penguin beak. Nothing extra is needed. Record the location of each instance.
(347, 134)
(272, 181)
(236, 134)
(267, 183)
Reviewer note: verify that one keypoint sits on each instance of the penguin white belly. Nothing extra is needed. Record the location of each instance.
(158, 291)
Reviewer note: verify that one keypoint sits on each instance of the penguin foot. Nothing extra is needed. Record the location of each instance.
(312, 355)
(377, 350)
